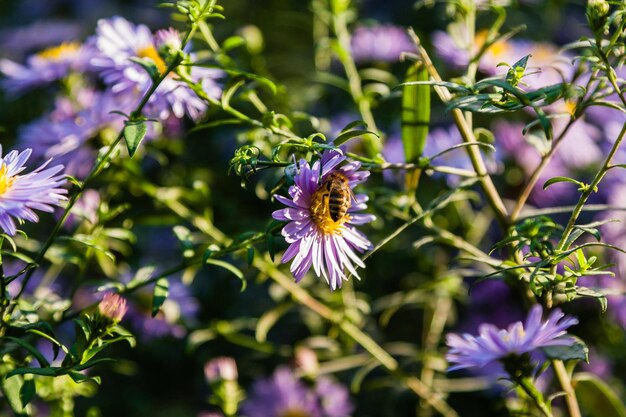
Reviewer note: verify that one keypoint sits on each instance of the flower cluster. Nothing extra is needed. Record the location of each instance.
(113, 57)
(316, 237)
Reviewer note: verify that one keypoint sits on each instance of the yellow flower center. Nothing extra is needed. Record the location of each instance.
(151, 53)
(57, 52)
(321, 212)
(497, 49)
(293, 413)
(5, 180)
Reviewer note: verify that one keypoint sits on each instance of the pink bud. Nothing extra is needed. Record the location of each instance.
(221, 368)
(112, 306)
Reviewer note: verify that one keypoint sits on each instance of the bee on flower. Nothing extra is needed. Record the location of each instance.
(322, 211)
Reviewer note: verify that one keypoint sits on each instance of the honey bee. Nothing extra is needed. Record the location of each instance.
(338, 194)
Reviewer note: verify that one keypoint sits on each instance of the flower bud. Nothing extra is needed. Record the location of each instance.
(112, 307)
(222, 368)
(306, 360)
(598, 8)
(597, 11)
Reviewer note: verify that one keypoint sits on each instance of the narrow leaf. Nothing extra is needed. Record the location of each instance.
(159, 295)
(27, 392)
(233, 269)
(561, 179)
(596, 397)
(415, 112)
(134, 132)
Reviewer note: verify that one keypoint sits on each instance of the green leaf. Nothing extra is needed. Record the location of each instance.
(229, 267)
(588, 292)
(28, 391)
(561, 179)
(596, 397)
(50, 371)
(577, 351)
(31, 349)
(230, 91)
(159, 295)
(350, 134)
(79, 378)
(268, 319)
(134, 132)
(11, 388)
(415, 112)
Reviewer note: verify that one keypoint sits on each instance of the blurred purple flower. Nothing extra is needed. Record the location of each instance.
(120, 41)
(179, 308)
(315, 238)
(493, 344)
(85, 209)
(382, 43)
(285, 395)
(63, 134)
(333, 397)
(546, 66)
(18, 40)
(45, 67)
(21, 194)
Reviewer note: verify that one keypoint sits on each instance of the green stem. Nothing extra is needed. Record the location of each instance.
(101, 163)
(340, 27)
(590, 189)
(566, 385)
(529, 388)
(493, 197)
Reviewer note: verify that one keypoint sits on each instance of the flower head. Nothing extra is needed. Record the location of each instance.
(112, 307)
(493, 344)
(121, 43)
(21, 194)
(284, 395)
(47, 66)
(382, 43)
(322, 212)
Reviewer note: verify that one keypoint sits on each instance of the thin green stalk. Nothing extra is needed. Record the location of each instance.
(566, 385)
(101, 163)
(590, 189)
(340, 26)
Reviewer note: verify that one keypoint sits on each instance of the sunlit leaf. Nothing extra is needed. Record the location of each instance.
(159, 294)
(134, 132)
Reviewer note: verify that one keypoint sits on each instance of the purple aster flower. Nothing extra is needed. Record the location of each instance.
(334, 398)
(65, 133)
(318, 236)
(21, 194)
(493, 344)
(45, 67)
(382, 43)
(120, 41)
